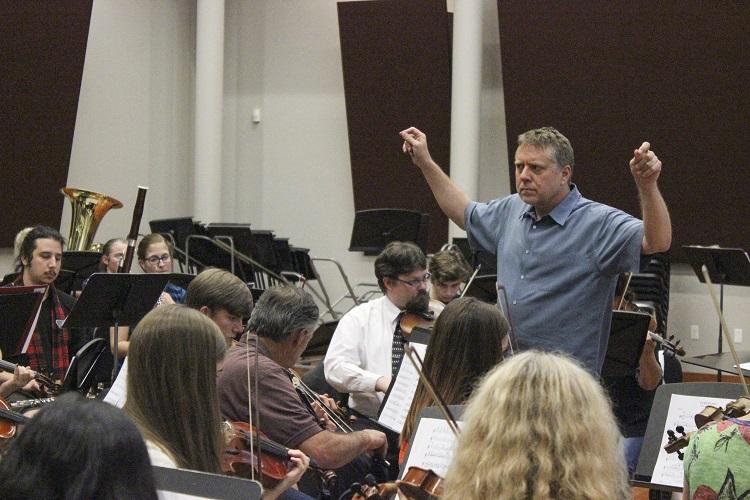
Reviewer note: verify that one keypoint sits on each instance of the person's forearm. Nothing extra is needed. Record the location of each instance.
(649, 374)
(333, 450)
(451, 199)
(657, 225)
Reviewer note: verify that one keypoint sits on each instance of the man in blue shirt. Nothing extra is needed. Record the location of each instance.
(558, 253)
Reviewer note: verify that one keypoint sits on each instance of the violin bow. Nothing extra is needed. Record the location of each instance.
(624, 290)
(512, 341)
(724, 327)
(313, 397)
(414, 357)
(468, 284)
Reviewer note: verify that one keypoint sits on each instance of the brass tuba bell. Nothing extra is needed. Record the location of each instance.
(89, 209)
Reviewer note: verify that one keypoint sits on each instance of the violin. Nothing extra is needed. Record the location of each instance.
(420, 319)
(47, 382)
(9, 420)
(417, 484)
(238, 461)
(420, 484)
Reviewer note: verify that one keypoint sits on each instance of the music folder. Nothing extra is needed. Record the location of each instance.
(627, 335)
(19, 306)
(119, 298)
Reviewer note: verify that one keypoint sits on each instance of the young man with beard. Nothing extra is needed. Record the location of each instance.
(51, 347)
(366, 347)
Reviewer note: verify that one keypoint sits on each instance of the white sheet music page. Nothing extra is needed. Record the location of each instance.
(118, 393)
(433, 447)
(682, 409)
(396, 405)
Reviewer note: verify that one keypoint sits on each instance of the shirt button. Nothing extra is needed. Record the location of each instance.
(514, 302)
(533, 227)
(527, 251)
(522, 276)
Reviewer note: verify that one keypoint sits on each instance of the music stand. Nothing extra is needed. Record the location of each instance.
(82, 265)
(80, 375)
(627, 334)
(114, 300)
(726, 266)
(484, 288)
(374, 229)
(181, 279)
(20, 306)
(457, 412)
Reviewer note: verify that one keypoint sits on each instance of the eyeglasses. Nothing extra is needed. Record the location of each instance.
(415, 282)
(156, 259)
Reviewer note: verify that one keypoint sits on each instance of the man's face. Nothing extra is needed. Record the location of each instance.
(229, 324)
(445, 292)
(157, 259)
(45, 263)
(406, 287)
(540, 182)
(112, 260)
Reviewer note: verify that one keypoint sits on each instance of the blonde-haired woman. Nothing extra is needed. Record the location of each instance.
(538, 427)
(172, 396)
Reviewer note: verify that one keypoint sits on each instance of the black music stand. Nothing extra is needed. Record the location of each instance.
(20, 306)
(114, 300)
(658, 418)
(81, 265)
(181, 279)
(484, 288)
(726, 266)
(627, 334)
(374, 229)
(81, 373)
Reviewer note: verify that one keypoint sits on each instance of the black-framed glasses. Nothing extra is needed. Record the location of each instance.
(156, 259)
(415, 282)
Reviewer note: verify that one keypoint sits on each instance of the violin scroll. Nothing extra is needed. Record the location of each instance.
(676, 443)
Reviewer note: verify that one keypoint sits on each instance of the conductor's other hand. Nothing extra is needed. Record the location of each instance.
(645, 166)
(415, 145)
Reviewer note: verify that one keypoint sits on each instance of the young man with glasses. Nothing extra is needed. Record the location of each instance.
(360, 359)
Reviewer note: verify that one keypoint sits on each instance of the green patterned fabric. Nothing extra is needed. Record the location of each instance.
(717, 461)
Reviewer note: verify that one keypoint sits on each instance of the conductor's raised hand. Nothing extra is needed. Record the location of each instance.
(415, 145)
(645, 166)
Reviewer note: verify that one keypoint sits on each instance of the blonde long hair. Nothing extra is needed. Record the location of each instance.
(172, 394)
(538, 427)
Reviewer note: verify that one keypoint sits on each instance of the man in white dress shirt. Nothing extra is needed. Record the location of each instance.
(360, 359)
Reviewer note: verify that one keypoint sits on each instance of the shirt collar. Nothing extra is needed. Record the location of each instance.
(390, 310)
(563, 209)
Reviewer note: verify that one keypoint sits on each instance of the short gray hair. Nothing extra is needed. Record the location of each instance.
(549, 137)
(282, 310)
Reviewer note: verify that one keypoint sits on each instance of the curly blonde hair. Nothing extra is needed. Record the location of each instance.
(539, 427)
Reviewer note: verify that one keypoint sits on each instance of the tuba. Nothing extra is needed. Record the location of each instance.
(89, 209)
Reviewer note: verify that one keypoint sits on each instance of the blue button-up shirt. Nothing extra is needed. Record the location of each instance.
(560, 271)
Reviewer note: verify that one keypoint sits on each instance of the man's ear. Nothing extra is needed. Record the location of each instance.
(567, 171)
(205, 310)
(299, 336)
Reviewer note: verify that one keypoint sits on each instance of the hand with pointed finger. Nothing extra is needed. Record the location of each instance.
(645, 166)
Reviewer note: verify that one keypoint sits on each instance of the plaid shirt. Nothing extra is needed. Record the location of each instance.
(60, 340)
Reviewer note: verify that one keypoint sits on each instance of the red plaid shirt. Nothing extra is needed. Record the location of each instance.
(60, 340)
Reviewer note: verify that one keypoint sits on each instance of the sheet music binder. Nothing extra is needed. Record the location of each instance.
(430, 412)
(20, 307)
(418, 336)
(205, 485)
(627, 335)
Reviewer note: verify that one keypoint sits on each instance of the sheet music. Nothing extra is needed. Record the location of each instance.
(744, 366)
(118, 393)
(682, 409)
(397, 402)
(433, 446)
(31, 331)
